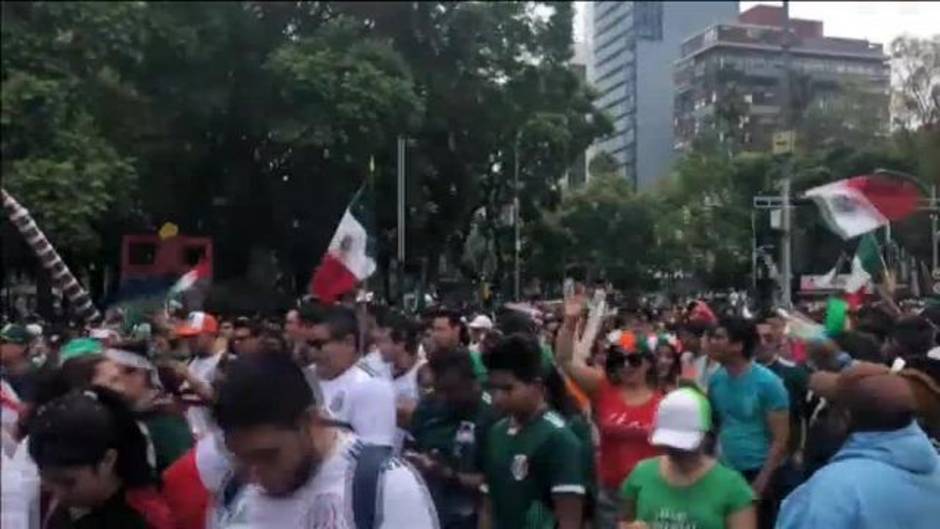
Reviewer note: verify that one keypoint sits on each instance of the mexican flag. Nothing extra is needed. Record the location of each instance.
(188, 280)
(858, 205)
(350, 258)
(867, 267)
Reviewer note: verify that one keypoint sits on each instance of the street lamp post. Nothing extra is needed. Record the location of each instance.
(515, 218)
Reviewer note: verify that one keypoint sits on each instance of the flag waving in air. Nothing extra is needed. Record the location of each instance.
(189, 279)
(350, 257)
(861, 204)
(867, 267)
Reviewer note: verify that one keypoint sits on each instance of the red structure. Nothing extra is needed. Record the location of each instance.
(150, 257)
(764, 15)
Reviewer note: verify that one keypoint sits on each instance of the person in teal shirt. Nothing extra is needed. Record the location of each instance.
(752, 405)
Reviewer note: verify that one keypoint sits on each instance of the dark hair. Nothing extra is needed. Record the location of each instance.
(861, 346)
(254, 326)
(407, 332)
(258, 391)
(453, 317)
(78, 428)
(676, 369)
(341, 322)
(515, 322)
(741, 331)
(457, 362)
(556, 393)
(311, 312)
(519, 354)
(874, 320)
(914, 335)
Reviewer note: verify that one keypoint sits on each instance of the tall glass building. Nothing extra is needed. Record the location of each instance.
(634, 48)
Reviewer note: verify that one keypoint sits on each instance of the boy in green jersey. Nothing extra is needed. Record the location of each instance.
(532, 460)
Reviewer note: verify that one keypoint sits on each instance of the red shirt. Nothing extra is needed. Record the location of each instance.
(624, 433)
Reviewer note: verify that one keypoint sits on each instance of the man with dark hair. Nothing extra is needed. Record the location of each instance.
(532, 461)
(752, 406)
(886, 474)
(910, 336)
(449, 433)
(401, 354)
(305, 473)
(246, 337)
(352, 392)
(447, 331)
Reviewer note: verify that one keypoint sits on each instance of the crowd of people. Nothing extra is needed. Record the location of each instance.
(572, 415)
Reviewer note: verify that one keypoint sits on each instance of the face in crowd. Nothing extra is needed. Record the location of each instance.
(445, 334)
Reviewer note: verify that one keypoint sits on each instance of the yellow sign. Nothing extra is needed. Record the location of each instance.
(784, 142)
(168, 231)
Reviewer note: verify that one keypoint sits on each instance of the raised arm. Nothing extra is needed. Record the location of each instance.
(571, 353)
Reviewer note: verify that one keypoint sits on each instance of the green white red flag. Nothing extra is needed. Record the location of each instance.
(350, 257)
(861, 204)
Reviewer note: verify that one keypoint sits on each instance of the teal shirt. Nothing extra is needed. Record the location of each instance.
(741, 405)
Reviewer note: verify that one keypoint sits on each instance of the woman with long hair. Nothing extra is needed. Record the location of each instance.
(92, 457)
(624, 397)
(668, 364)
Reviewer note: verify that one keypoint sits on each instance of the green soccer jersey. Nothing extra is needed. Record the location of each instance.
(524, 466)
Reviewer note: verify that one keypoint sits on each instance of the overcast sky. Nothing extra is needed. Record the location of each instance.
(875, 21)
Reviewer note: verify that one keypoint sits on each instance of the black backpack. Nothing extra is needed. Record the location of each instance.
(370, 463)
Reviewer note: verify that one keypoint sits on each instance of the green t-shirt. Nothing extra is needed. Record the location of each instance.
(434, 427)
(525, 466)
(704, 505)
(170, 435)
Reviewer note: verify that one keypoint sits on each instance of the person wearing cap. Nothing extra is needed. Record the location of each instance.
(685, 487)
(887, 473)
(200, 330)
(479, 326)
(15, 367)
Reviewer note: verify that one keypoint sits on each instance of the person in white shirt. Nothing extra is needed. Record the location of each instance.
(380, 341)
(352, 392)
(201, 330)
(302, 472)
(407, 367)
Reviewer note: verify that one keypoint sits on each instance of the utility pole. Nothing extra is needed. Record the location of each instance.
(402, 142)
(786, 114)
(515, 220)
(935, 230)
(401, 200)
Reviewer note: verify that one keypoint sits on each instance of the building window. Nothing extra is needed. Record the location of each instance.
(648, 20)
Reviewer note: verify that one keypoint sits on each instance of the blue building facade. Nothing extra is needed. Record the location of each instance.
(634, 48)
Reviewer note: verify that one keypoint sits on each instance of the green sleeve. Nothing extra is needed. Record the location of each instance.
(630, 489)
(171, 439)
(740, 495)
(561, 463)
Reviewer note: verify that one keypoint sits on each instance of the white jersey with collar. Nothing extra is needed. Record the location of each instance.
(325, 500)
(364, 401)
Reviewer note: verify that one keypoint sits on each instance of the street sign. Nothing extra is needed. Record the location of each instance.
(936, 274)
(784, 142)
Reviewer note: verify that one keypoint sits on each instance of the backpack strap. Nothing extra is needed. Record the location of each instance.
(365, 485)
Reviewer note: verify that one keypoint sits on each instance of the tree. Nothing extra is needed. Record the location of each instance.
(916, 68)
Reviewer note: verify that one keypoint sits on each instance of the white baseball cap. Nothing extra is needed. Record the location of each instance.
(481, 322)
(682, 420)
